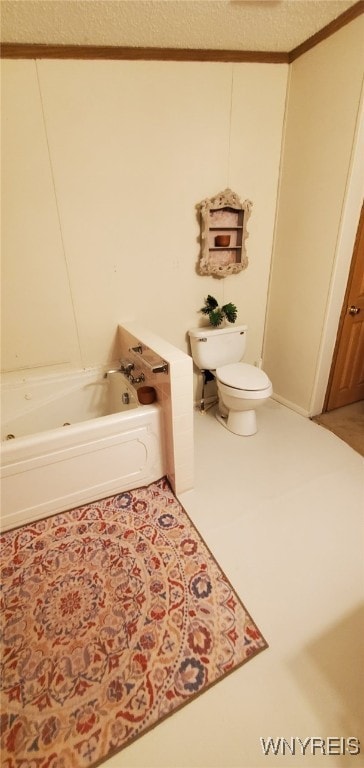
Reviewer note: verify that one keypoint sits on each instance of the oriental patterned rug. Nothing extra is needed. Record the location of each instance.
(114, 615)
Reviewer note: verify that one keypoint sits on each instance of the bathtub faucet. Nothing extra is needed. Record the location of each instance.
(126, 367)
(136, 379)
(113, 370)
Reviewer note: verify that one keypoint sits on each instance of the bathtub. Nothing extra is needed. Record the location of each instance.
(72, 439)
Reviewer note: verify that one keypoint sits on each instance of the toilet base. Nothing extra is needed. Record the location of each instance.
(240, 422)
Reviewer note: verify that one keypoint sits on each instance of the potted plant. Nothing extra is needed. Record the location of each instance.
(217, 314)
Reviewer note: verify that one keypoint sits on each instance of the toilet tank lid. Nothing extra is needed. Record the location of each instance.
(243, 376)
(208, 330)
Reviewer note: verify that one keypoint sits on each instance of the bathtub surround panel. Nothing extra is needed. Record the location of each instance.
(38, 322)
(132, 147)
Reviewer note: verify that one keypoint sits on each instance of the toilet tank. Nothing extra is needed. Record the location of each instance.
(213, 347)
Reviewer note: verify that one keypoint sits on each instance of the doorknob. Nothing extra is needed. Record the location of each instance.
(354, 310)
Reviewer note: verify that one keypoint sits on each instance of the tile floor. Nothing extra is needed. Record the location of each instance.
(283, 513)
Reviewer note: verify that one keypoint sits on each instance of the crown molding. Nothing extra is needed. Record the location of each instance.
(349, 15)
(109, 52)
(37, 51)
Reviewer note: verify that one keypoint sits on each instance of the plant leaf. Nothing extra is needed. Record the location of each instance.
(230, 311)
(216, 317)
(211, 302)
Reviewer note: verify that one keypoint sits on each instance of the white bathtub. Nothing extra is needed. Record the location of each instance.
(75, 441)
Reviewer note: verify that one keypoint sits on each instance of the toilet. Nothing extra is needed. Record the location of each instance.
(241, 387)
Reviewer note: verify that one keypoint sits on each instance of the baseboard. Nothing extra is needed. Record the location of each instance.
(292, 406)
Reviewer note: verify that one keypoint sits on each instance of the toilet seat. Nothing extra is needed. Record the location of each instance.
(243, 377)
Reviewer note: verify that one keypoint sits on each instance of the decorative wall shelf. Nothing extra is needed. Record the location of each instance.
(221, 215)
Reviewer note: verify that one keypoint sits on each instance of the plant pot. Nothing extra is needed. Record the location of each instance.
(146, 395)
(222, 241)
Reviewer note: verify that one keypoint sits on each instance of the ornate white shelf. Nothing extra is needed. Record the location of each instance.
(223, 214)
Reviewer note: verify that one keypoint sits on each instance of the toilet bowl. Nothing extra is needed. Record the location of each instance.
(242, 388)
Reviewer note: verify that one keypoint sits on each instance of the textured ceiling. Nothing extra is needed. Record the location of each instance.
(242, 25)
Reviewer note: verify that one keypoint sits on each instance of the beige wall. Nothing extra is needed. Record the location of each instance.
(104, 165)
(321, 121)
(38, 325)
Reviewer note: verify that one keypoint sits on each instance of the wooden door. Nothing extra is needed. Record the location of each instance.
(346, 383)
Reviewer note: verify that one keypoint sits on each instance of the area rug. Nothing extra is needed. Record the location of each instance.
(114, 615)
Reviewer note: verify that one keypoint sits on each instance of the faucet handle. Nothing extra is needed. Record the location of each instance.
(126, 366)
